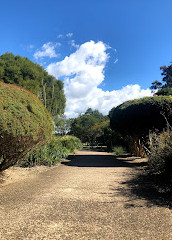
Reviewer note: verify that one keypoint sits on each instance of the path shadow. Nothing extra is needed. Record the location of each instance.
(145, 187)
(1, 177)
(141, 186)
(100, 161)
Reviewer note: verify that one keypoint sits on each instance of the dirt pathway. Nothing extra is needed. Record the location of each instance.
(90, 197)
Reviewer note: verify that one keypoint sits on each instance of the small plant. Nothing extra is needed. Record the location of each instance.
(119, 150)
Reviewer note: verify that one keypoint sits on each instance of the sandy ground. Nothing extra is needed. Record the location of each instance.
(15, 174)
(91, 196)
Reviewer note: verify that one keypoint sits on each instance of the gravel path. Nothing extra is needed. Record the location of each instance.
(90, 197)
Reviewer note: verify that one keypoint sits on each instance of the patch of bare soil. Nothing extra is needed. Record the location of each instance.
(15, 174)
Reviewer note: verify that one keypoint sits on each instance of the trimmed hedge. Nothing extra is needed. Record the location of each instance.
(24, 123)
(139, 116)
(134, 120)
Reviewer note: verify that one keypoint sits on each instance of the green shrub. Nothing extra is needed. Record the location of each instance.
(160, 156)
(24, 123)
(164, 91)
(52, 153)
(134, 119)
(139, 116)
(71, 143)
(119, 150)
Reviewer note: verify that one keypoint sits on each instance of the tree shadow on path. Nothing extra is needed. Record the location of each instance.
(100, 161)
(139, 186)
(142, 186)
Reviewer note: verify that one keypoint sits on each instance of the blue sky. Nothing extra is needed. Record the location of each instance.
(136, 34)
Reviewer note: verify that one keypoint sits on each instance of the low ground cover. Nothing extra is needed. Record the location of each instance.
(51, 153)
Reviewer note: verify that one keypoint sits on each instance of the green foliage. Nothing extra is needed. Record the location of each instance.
(31, 76)
(105, 136)
(51, 153)
(24, 122)
(87, 127)
(167, 79)
(139, 116)
(119, 150)
(164, 92)
(156, 85)
(167, 73)
(134, 119)
(160, 156)
(99, 116)
(71, 143)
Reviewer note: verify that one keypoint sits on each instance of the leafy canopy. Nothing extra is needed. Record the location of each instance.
(164, 87)
(88, 126)
(31, 76)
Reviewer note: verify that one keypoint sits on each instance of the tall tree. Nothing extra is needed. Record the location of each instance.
(31, 76)
(164, 87)
(167, 73)
(62, 125)
(88, 127)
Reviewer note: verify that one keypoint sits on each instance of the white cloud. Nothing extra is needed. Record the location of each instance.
(60, 36)
(47, 50)
(116, 60)
(69, 35)
(103, 100)
(73, 44)
(84, 72)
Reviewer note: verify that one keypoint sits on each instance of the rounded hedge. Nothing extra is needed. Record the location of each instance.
(139, 116)
(24, 123)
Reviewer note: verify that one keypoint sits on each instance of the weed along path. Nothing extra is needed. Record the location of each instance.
(91, 196)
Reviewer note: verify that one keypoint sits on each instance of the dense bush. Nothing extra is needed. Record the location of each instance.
(71, 143)
(164, 92)
(51, 153)
(139, 116)
(24, 122)
(134, 119)
(160, 155)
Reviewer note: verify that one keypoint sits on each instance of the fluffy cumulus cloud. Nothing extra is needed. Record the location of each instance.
(84, 72)
(47, 50)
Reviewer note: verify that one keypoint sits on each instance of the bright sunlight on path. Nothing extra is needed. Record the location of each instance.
(88, 197)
